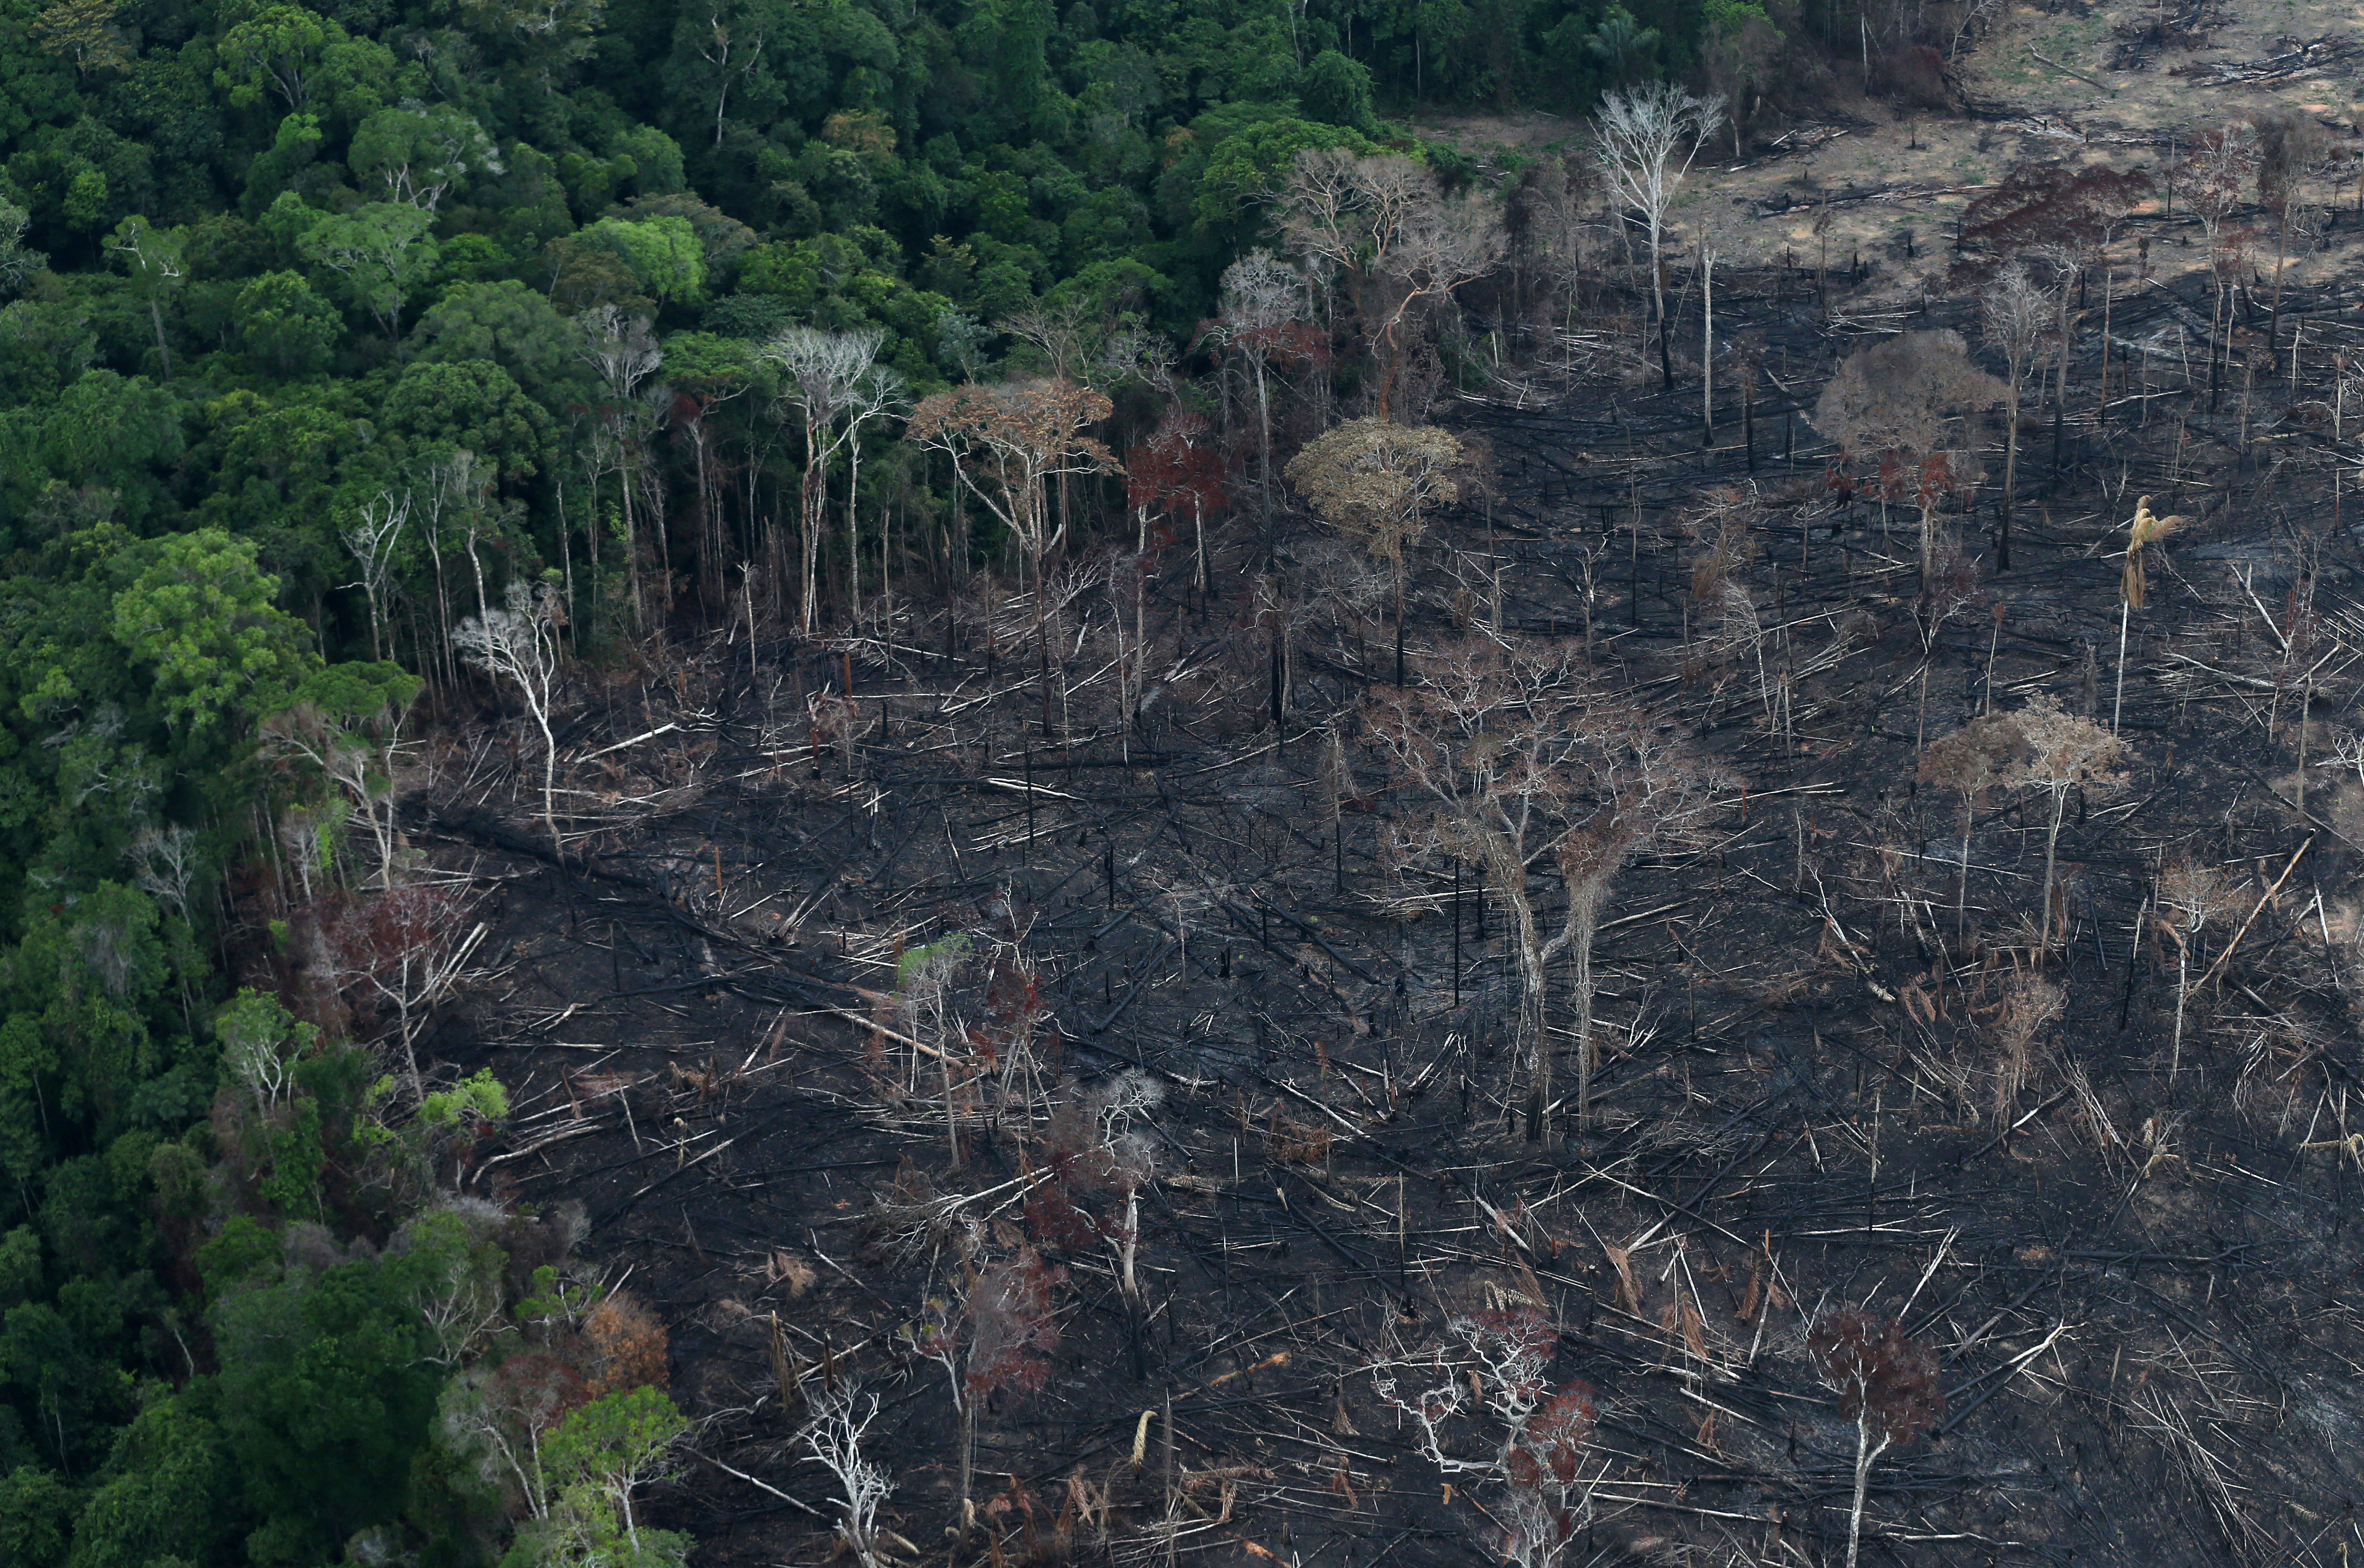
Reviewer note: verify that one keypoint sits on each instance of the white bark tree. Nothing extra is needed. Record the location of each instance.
(518, 645)
(824, 371)
(370, 538)
(1646, 139)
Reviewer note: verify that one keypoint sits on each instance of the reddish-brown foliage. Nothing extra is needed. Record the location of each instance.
(623, 1345)
(1010, 1320)
(1883, 1375)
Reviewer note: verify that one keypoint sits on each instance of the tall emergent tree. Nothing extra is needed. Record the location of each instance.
(1646, 138)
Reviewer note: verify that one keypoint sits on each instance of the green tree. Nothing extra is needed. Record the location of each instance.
(474, 405)
(511, 325)
(284, 326)
(200, 617)
(417, 153)
(279, 51)
(326, 1390)
(663, 254)
(37, 1510)
(382, 252)
(169, 1487)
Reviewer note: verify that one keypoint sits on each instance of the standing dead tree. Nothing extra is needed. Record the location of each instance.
(1897, 400)
(2013, 310)
(1178, 473)
(371, 538)
(1006, 441)
(624, 355)
(988, 1342)
(2147, 528)
(1259, 318)
(826, 376)
(842, 1414)
(400, 954)
(2064, 753)
(1497, 1359)
(1376, 483)
(1646, 139)
(1887, 1384)
(2216, 177)
(518, 645)
(1969, 761)
(1382, 220)
(2053, 214)
(1520, 757)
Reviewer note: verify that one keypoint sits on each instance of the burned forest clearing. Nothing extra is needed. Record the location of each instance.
(1338, 1030)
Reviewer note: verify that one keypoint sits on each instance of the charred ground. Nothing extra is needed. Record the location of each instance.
(2139, 1288)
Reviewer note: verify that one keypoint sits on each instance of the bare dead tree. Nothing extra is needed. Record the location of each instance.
(518, 646)
(346, 723)
(1645, 138)
(842, 1414)
(2013, 310)
(2215, 176)
(370, 538)
(1521, 756)
(1381, 217)
(1263, 296)
(624, 355)
(825, 373)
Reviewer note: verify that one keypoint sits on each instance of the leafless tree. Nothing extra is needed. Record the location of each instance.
(1261, 296)
(1646, 139)
(2013, 311)
(356, 752)
(370, 538)
(2216, 177)
(1520, 757)
(620, 349)
(1380, 217)
(842, 1414)
(2191, 895)
(877, 394)
(518, 645)
(402, 951)
(825, 371)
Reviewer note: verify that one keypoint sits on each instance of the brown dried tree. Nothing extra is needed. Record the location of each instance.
(1006, 441)
(1522, 757)
(1887, 1384)
(2064, 753)
(1900, 400)
(1376, 483)
(1969, 761)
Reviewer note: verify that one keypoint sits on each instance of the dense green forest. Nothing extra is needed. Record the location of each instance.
(323, 332)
